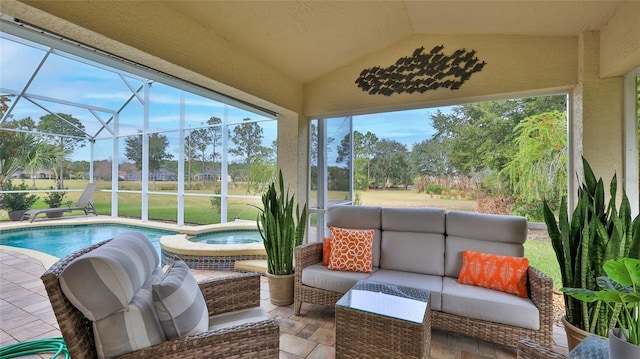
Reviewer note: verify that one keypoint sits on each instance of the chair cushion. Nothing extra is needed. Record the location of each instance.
(134, 327)
(106, 279)
(504, 273)
(178, 300)
(488, 304)
(351, 249)
(238, 317)
(319, 276)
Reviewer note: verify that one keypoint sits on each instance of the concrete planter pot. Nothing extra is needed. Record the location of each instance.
(281, 289)
(54, 214)
(16, 215)
(619, 348)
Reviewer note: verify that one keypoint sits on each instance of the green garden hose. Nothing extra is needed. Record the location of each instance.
(40, 346)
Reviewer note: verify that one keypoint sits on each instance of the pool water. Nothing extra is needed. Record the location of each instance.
(229, 237)
(60, 241)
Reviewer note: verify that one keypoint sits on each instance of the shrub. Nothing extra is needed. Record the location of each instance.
(54, 199)
(17, 201)
(434, 188)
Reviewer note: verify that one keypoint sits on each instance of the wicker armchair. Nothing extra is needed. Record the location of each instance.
(254, 340)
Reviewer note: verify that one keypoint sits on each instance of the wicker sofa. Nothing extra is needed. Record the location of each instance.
(422, 248)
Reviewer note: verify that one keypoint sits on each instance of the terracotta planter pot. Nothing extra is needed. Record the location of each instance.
(619, 348)
(574, 334)
(281, 288)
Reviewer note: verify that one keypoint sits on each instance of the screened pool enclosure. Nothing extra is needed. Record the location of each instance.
(158, 147)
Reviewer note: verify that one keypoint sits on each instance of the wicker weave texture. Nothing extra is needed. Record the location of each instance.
(361, 334)
(529, 349)
(255, 340)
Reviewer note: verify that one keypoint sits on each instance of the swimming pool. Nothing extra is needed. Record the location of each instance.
(60, 241)
(216, 247)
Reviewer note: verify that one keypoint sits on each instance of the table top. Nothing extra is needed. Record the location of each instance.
(394, 301)
(591, 347)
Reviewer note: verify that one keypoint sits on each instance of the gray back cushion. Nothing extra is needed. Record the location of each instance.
(425, 220)
(107, 278)
(413, 240)
(358, 217)
(413, 252)
(487, 233)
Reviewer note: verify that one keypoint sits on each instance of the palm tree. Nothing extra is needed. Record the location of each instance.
(28, 152)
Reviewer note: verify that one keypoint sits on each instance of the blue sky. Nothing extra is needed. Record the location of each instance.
(406, 127)
(61, 78)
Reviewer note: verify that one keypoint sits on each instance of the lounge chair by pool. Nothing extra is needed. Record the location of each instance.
(83, 204)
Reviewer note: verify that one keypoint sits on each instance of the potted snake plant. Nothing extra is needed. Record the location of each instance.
(619, 290)
(281, 224)
(595, 233)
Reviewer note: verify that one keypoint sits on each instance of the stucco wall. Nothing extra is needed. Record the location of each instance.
(514, 65)
(597, 114)
(620, 41)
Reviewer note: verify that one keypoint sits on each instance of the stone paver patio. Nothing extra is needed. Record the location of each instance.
(25, 314)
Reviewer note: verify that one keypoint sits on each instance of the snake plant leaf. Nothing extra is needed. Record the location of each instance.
(281, 232)
(589, 177)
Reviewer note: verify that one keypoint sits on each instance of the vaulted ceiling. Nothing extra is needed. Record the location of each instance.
(307, 39)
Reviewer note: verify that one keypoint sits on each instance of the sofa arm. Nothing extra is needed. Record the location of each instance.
(541, 294)
(308, 254)
(541, 288)
(231, 293)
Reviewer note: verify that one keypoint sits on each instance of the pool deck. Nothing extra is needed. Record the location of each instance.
(26, 314)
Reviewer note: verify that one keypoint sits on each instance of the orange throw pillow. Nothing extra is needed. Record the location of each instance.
(503, 273)
(326, 250)
(351, 249)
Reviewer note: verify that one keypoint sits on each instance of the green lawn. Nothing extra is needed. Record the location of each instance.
(199, 209)
(542, 257)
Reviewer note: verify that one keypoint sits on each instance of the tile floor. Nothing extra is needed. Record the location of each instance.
(25, 314)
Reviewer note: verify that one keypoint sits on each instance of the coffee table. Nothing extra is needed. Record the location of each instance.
(380, 320)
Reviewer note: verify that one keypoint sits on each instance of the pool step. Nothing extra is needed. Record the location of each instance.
(254, 265)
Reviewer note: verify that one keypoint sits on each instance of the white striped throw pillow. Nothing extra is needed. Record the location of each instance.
(179, 302)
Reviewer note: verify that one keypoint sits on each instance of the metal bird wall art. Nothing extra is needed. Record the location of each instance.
(421, 72)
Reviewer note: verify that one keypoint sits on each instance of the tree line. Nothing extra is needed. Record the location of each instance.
(29, 146)
(513, 149)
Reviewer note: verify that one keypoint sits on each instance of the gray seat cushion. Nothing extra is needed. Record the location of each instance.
(238, 317)
(432, 283)
(487, 304)
(319, 276)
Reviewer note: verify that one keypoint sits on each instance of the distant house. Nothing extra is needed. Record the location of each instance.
(40, 173)
(163, 175)
(210, 175)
